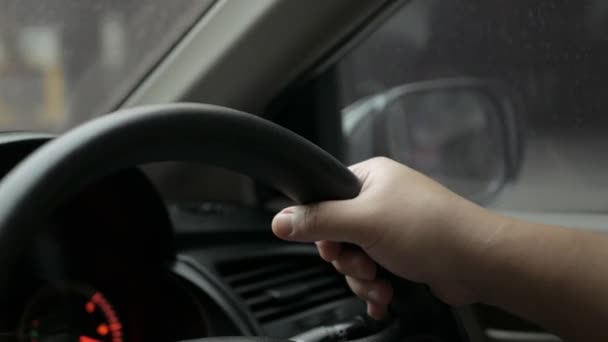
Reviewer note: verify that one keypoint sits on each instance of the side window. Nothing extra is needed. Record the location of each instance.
(502, 101)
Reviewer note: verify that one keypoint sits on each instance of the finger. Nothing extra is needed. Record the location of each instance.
(332, 220)
(377, 291)
(377, 311)
(356, 264)
(329, 250)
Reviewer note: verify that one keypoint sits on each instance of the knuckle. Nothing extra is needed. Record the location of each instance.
(360, 261)
(382, 161)
(358, 289)
(360, 265)
(338, 266)
(305, 219)
(310, 219)
(348, 263)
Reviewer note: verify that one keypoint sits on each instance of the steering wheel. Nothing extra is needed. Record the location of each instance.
(187, 132)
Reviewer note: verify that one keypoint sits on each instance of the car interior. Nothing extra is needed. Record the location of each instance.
(146, 146)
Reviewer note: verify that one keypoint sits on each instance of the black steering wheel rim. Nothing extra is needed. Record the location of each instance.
(185, 131)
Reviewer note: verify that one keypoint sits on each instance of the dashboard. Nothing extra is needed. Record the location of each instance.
(116, 263)
(101, 271)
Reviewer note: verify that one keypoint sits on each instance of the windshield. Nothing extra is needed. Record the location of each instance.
(64, 61)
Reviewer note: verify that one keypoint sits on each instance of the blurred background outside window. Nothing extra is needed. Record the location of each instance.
(64, 61)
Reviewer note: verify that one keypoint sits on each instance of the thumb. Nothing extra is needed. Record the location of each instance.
(332, 220)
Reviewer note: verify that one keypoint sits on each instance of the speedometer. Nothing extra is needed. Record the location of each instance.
(73, 313)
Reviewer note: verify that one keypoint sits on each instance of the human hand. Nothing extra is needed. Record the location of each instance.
(402, 220)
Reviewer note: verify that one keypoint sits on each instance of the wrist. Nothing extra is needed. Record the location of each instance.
(483, 234)
(464, 236)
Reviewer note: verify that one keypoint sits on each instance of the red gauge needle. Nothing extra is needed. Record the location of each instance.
(87, 339)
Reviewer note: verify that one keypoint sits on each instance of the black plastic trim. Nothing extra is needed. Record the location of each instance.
(187, 268)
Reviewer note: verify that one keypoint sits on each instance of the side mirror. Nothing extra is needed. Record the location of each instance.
(462, 132)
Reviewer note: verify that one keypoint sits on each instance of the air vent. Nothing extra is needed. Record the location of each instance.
(277, 287)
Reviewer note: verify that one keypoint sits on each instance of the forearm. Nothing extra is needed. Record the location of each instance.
(554, 276)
